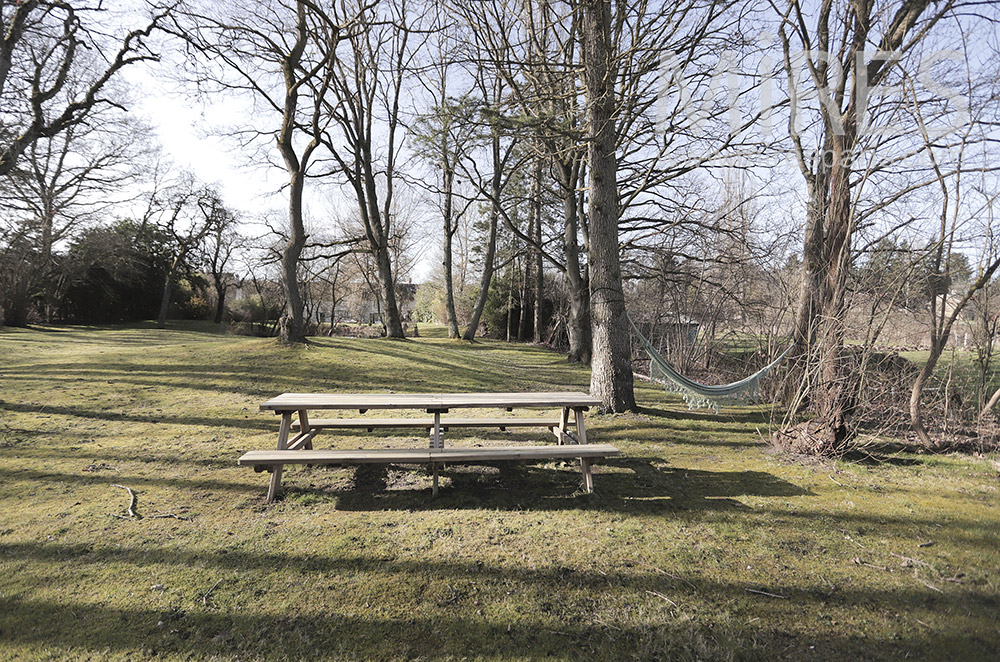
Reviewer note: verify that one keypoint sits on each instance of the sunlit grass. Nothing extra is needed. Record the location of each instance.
(699, 543)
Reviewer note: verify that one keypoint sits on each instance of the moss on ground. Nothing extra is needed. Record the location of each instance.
(699, 544)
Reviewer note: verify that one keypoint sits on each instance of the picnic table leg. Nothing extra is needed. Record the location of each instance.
(588, 478)
(437, 440)
(275, 486)
(304, 427)
(434, 470)
(581, 432)
(563, 423)
(581, 436)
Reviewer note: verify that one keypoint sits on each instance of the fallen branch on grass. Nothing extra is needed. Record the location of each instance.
(132, 514)
(660, 595)
(204, 598)
(770, 595)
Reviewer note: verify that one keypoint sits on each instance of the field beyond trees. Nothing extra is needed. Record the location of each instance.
(699, 543)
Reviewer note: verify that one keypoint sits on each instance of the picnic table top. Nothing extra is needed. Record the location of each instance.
(431, 401)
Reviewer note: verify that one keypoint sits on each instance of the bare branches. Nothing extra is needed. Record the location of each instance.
(42, 42)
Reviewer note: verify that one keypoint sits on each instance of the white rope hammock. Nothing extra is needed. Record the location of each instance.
(696, 394)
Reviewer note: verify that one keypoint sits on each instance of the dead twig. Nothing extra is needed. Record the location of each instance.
(770, 595)
(668, 574)
(929, 585)
(204, 598)
(660, 595)
(132, 514)
(168, 515)
(911, 560)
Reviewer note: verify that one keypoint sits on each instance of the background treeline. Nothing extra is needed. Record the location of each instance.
(734, 175)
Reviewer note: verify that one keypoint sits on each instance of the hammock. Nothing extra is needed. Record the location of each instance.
(696, 394)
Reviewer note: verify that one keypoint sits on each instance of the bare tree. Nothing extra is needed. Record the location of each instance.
(364, 105)
(69, 181)
(222, 244)
(534, 49)
(47, 84)
(283, 54)
(832, 43)
(966, 208)
(443, 137)
(189, 213)
(611, 368)
(500, 146)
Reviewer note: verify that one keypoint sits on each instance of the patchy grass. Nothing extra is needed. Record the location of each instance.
(698, 545)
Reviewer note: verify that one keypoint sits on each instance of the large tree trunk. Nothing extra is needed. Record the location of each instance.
(220, 299)
(611, 366)
(292, 324)
(525, 317)
(449, 233)
(578, 324)
(393, 321)
(835, 397)
(536, 200)
(916, 411)
(491, 246)
(168, 288)
(820, 324)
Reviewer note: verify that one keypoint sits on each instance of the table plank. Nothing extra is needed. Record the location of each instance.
(427, 423)
(300, 401)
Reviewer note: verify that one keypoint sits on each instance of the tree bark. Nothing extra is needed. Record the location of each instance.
(537, 253)
(491, 244)
(393, 321)
(994, 399)
(449, 233)
(525, 317)
(168, 287)
(611, 366)
(220, 303)
(292, 323)
(578, 323)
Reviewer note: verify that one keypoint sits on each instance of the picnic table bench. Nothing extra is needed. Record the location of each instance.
(568, 429)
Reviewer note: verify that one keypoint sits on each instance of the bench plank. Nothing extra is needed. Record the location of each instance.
(456, 455)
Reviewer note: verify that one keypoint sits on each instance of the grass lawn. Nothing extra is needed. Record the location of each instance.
(699, 544)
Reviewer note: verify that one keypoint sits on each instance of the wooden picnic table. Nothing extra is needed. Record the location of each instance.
(569, 429)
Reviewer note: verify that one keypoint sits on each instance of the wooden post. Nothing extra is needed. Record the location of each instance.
(286, 425)
(304, 427)
(563, 422)
(437, 439)
(581, 432)
(581, 438)
(434, 470)
(588, 478)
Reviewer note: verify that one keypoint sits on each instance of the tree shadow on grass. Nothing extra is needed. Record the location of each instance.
(559, 621)
(9, 477)
(255, 423)
(748, 417)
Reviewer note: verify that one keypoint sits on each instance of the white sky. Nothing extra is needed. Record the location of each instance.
(188, 131)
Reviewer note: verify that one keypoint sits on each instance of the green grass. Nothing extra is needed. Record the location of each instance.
(680, 555)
